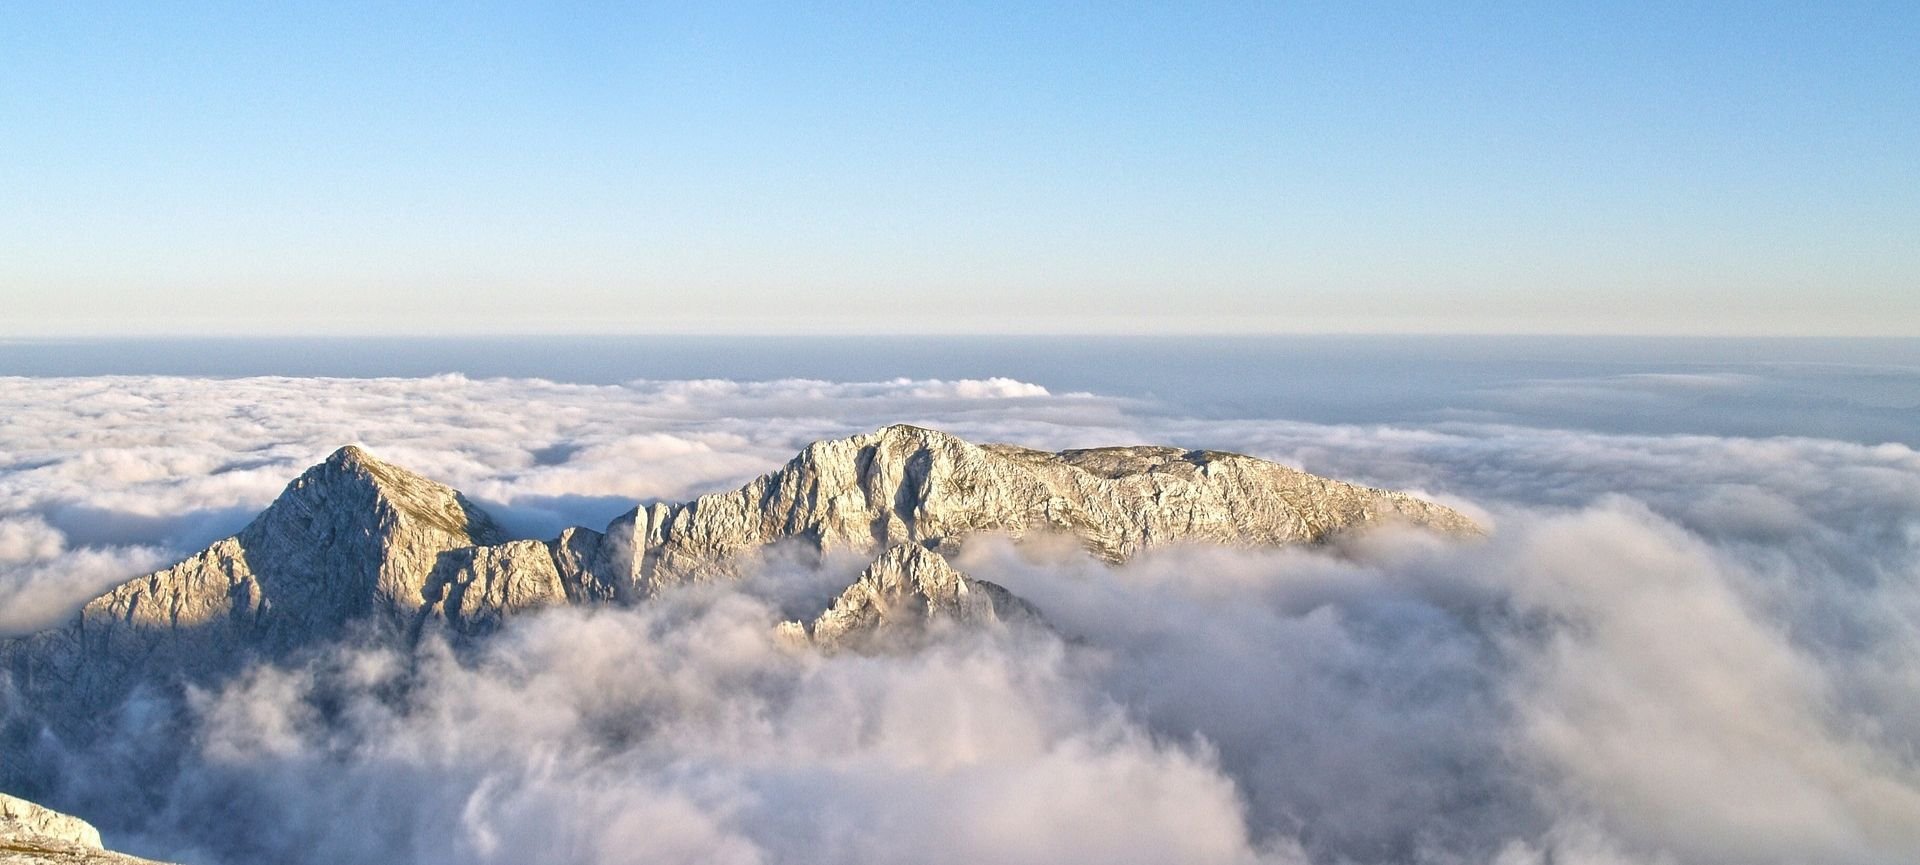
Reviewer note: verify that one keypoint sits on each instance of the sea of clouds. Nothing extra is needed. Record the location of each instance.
(1671, 648)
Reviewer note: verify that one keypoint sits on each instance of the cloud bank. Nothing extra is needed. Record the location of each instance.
(1673, 649)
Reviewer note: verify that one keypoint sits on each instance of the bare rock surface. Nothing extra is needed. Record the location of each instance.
(21, 818)
(904, 595)
(906, 484)
(34, 835)
(350, 543)
(356, 545)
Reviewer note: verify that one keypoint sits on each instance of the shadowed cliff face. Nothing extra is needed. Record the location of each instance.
(356, 546)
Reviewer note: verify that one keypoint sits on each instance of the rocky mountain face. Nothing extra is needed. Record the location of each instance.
(353, 543)
(357, 546)
(33, 835)
(905, 484)
(904, 596)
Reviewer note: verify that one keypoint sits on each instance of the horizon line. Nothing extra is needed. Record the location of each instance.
(12, 338)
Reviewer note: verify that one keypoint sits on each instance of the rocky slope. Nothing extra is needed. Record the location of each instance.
(33, 835)
(903, 597)
(351, 544)
(905, 484)
(358, 547)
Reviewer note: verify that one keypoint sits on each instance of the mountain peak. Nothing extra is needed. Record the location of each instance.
(353, 476)
(348, 456)
(357, 542)
(351, 540)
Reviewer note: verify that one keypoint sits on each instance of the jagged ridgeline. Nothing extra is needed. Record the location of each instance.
(357, 547)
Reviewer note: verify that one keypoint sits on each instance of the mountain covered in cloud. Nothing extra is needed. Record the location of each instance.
(1676, 649)
(357, 547)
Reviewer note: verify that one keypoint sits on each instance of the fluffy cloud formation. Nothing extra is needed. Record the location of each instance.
(134, 470)
(684, 732)
(1673, 649)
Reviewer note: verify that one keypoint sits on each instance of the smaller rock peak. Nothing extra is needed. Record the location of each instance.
(913, 567)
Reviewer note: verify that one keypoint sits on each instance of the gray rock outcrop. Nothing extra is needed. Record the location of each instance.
(902, 597)
(906, 484)
(20, 818)
(359, 546)
(34, 835)
(350, 544)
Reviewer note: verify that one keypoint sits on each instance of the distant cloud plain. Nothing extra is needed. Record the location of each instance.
(1673, 648)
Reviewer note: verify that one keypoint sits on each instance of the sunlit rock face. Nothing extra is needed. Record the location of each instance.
(20, 818)
(905, 484)
(358, 548)
(350, 544)
(907, 595)
(33, 835)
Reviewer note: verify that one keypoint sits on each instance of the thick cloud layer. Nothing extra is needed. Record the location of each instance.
(102, 478)
(1672, 649)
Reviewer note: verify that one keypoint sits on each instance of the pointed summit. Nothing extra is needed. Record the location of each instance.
(352, 542)
(351, 459)
(348, 453)
(354, 532)
(352, 475)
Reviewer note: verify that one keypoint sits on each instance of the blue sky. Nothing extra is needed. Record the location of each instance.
(1745, 168)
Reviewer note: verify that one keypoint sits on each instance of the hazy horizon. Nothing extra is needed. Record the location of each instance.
(1308, 433)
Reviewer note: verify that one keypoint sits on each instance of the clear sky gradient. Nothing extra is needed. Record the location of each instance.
(339, 168)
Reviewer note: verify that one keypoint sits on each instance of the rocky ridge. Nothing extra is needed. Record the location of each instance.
(906, 484)
(356, 546)
(34, 835)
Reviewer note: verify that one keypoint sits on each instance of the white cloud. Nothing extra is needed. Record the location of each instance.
(1684, 649)
(684, 732)
(122, 465)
